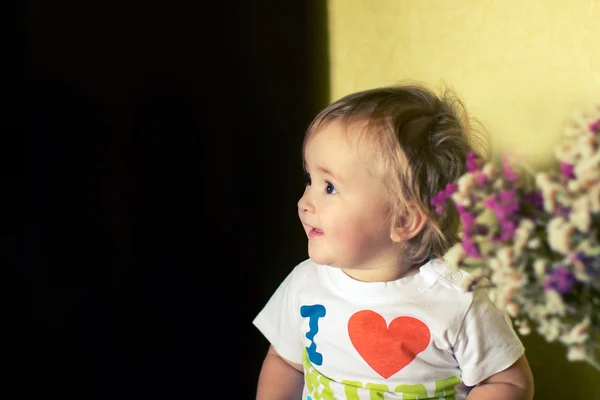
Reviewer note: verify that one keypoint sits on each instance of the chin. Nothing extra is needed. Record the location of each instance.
(319, 259)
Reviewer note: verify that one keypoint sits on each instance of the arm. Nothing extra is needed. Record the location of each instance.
(279, 379)
(514, 383)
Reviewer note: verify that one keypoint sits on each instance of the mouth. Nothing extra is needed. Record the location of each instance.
(315, 233)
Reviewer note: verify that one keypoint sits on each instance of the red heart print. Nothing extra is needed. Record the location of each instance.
(387, 349)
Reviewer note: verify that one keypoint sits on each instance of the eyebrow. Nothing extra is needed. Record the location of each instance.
(328, 172)
(325, 170)
(322, 169)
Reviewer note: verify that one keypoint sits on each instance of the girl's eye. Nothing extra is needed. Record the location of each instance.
(330, 189)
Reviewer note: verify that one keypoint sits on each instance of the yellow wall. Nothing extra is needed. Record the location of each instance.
(523, 67)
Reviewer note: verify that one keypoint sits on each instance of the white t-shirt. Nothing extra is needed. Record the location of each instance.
(418, 337)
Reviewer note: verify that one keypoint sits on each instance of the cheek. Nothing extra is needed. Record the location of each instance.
(360, 230)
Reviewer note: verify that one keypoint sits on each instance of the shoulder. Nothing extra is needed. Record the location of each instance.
(449, 301)
(305, 271)
(446, 278)
(448, 286)
(306, 267)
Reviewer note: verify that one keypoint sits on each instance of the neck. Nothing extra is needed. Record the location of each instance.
(382, 274)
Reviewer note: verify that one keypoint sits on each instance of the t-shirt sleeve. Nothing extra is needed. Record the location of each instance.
(487, 343)
(279, 321)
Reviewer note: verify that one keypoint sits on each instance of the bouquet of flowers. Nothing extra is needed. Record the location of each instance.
(533, 238)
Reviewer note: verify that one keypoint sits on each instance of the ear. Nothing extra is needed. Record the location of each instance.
(408, 224)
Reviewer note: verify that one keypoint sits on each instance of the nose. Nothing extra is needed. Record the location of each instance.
(305, 204)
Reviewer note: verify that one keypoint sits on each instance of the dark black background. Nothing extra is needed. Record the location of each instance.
(160, 174)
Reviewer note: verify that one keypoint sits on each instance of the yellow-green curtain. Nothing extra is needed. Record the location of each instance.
(522, 68)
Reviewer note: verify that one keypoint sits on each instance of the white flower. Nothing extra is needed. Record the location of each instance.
(549, 329)
(512, 309)
(586, 146)
(524, 328)
(550, 190)
(522, 235)
(534, 243)
(461, 198)
(498, 184)
(466, 183)
(578, 334)
(506, 256)
(502, 296)
(559, 234)
(554, 303)
(454, 256)
(588, 170)
(590, 248)
(580, 271)
(576, 353)
(580, 213)
(567, 152)
(490, 171)
(576, 185)
(576, 126)
(494, 264)
(580, 121)
(594, 196)
(539, 267)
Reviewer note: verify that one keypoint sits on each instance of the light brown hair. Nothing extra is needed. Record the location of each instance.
(421, 140)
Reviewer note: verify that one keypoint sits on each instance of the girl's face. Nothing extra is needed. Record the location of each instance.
(345, 209)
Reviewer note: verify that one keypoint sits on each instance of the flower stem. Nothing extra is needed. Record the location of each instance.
(594, 363)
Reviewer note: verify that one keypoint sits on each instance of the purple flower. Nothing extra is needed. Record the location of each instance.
(450, 189)
(505, 206)
(560, 279)
(439, 200)
(467, 219)
(595, 126)
(590, 263)
(470, 247)
(567, 170)
(507, 231)
(508, 199)
(469, 227)
(508, 171)
(472, 162)
(561, 211)
(535, 199)
(481, 179)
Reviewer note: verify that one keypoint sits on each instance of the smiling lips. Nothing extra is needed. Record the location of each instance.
(315, 233)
